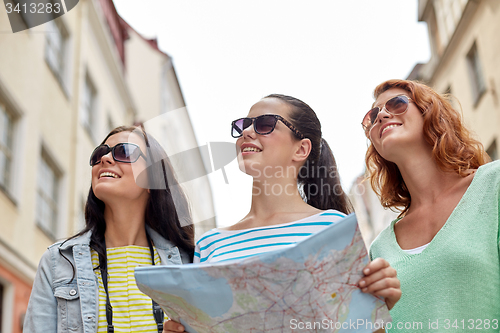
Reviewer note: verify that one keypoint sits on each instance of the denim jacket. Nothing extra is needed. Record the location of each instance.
(61, 304)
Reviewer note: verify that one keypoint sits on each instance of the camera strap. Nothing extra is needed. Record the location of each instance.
(157, 311)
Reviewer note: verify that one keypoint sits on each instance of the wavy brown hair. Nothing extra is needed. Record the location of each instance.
(453, 146)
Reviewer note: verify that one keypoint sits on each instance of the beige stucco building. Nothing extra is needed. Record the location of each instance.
(465, 58)
(372, 217)
(63, 86)
(163, 112)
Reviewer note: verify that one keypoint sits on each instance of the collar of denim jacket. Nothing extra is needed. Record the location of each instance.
(84, 239)
(80, 240)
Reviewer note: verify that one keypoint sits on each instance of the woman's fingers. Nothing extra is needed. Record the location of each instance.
(389, 288)
(376, 265)
(383, 274)
(171, 326)
(377, 273)
(390, 295)
(381, 280)
(380, 285)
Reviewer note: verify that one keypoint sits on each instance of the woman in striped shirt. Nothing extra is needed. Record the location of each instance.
(296, 191)
(134, 215)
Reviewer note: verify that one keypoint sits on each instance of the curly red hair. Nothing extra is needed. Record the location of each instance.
(453, 146)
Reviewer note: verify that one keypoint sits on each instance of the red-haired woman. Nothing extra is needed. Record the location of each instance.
(445, 243)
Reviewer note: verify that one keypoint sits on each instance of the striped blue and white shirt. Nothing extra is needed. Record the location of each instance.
(220, 245)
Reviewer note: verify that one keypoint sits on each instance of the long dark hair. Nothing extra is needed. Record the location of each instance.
(167, 209)
(318, 177)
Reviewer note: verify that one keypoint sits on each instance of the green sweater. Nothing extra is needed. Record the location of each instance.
(454, 284)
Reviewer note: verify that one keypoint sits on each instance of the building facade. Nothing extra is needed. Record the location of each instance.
(465, 53)
(63, 86)
(163, 112)
(372, 216)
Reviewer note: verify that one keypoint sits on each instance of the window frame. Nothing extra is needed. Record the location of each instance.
(7, 308)
(88, 112)
(59, 67)
(7, 149)
(12, 190)
(492, 150)
(52, 229)
(476, 74)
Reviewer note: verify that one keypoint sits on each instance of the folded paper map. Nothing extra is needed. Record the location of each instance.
(310, 286)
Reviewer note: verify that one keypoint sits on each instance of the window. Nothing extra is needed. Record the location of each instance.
(6, 129)
(89, 101)
(435, 39)
(449, 13)
(476, 74)
(449, 96)
(493, 151)
(47, 196)
(55, 50)
(110, 124)
(80, 221)
(1, 305)
(167, 101)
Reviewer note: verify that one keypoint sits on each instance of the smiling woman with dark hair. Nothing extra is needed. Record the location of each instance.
(296, 191)
(135, 214)
(445, 244)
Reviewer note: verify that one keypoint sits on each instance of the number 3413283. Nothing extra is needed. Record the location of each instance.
(34, 8)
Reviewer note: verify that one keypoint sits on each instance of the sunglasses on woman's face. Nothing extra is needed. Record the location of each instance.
(396, 105)
(263, 125)
(122, 152)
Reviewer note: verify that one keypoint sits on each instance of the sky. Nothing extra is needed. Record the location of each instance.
(329, 53)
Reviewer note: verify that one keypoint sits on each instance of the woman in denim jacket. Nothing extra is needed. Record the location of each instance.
(134, 204)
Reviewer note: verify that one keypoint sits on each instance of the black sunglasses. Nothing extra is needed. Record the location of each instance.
(396, 105)
(264, 124)
(122, 152)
